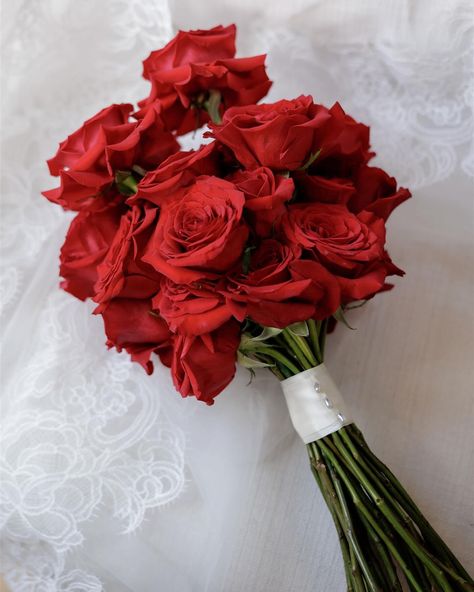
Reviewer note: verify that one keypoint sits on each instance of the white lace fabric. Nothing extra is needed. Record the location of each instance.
(90, 445)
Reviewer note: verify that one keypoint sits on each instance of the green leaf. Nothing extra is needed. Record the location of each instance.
(139, 170)
(251, 363)
(300, 329)
(355, 304)
(267, 333)
(212, 106)
(310, 160)
(126, 183)
(246, 259)
(339, 316)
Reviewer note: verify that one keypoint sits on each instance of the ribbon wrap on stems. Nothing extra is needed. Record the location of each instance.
(316, 406)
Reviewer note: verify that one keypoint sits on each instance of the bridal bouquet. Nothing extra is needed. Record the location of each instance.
(247, 250)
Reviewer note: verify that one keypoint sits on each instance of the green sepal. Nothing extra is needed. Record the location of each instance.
(300, 329)
(251, 363)
(126, 183)
(310, 160)
(212, 106)
(339, 316)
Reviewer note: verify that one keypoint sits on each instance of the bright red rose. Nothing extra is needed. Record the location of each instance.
(87, 161)
(87, 243)
(265, 196)
(192, 47)
(179, 171)
(350, 246)
(280, 289)
(191, 66)
(122, 273)
(200, 235)
(204, 365)
(131, 325)
(376, 192)
(191, 309)
(280, 135)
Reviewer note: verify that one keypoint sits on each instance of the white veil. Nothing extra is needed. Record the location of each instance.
(109, 481)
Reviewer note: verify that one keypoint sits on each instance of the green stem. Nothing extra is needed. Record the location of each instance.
(391, 516)
(351, 534)
(329, 495)
(364, 510)
(276, 355)
(314, 337)
(295, 348)
(402, 497)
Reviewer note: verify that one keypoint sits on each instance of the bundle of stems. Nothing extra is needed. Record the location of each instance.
(386, 542)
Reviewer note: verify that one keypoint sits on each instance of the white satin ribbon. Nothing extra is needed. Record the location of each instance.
(315, 404)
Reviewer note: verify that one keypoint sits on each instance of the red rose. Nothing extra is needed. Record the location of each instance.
(317, 188)
(204, 365)
(192, 47)
(87, 242)
(177, 172)
(265, 196)
(200, 235)
(131, 325)
(194, 64)
(376, 192)
(192, 309)
(122, 273)
(87, 161)
(350, 246)
(279, 135)
(343, 146)
(279, 289)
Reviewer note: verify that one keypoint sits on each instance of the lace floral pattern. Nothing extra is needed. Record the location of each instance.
(82, 428)
(78, 437)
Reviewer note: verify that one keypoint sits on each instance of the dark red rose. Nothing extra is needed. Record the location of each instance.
(204, 365)
(183, 91)
(316, 188)
(87, 161)
(191, 309)
(265, 196)
(191, 66)
(179, 171)
(280, 135)
(350, 246)
(192, 47)
(122, 273)
(280, 289)
(130, 324)
(200, 235)
(376, 192)
(87, 243)
(343, 146)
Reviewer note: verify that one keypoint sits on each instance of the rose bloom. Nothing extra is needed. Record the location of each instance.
(191, 309)
(87, 243)
(131, 325)
(88, 159)
(376, 192)
(204, 365)
(201, 234)
(176, 173)
(122, 273)
(192, 65)
(280, 289)
(350, 246)
(265, 196)
(280, 135)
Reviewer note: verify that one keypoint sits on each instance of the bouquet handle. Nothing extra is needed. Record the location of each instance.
(386, 542)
